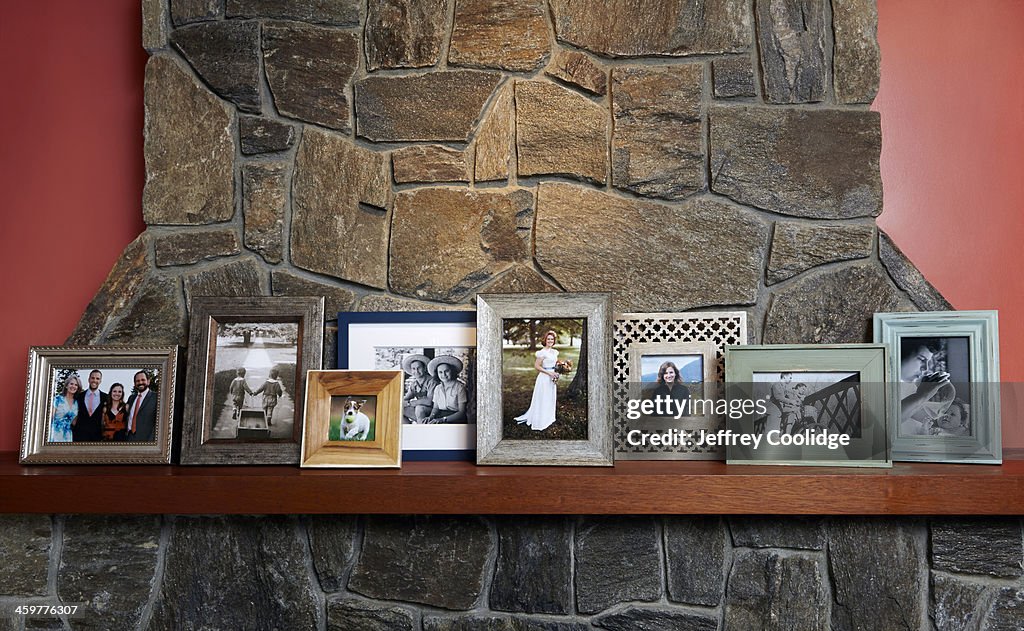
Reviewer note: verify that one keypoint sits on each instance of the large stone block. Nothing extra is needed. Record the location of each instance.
(494, 139)
(154, 25)
(436, 561)
(830, 307)
(560, 132)
(578, 69)
(261, 135)
(387, 302)
(822, 164)
(338, 12)
(24, 554)
(534, 570)
(348, 614)
(617, 560)
(908, 278)
(798, 247)
(855, 59)
(993, 547)
(958, 604)
(791, 39)
(695, 552)
(657, 143)
(227, 572)
(733, 77)
(108, 562)
(285, 283)
(189, 149)
(1007, 610)
(520, 279)
(777, 591)
(264, 202)
(309, 69)
(445, 242)
(332, 232)
(654, 257)
(500, 34)
(192, 246)
(245, 277)
(186, 11)
(682, 27)
(157, 317)
(332, 541)
(226, 55)
(490, 622)
(430, 163)
(405, 33)
(878, 573)
(131, 271)
(441, 106)
(804, 533)
(633, 618)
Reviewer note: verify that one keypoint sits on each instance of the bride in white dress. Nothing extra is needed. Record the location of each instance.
(542, 406)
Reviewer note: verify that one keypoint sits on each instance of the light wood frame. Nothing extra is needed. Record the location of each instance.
(708, 388)
(385, 450)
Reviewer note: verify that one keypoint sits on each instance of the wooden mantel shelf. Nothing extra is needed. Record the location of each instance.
(462, 488)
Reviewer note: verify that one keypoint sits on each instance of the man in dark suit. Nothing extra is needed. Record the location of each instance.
(91, 403)
(141, 426)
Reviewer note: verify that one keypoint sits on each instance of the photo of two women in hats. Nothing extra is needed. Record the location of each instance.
(434, 390)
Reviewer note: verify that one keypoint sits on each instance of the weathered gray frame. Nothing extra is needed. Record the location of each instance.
(982, 330)
(195, 447)
(41, 359)
(598, 448)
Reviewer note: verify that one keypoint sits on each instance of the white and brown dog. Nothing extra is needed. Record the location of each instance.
(354, 424)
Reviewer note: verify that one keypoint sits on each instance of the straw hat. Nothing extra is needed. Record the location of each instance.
(454, 362)
(409, 359)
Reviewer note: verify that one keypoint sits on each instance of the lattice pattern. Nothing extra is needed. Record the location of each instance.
(719, 328)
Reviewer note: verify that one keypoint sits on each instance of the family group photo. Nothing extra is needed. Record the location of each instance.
(935, 394)
(254, 381)
(93, 405)
(440, 382)
(800, 401)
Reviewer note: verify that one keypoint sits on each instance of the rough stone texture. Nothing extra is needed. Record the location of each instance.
(830, 307)
(732, 77)
(579, 70)
(234, 567)
(338, 12)
(634, 618)
(804, 533)
(488, 622)
(226, 55)
(617, 560)
(773, 591)
(440, 106)
(683, 27)
(189, 149)
(695, 554)
(806, 163)
(347, 614)
(240, 278)
(108, 562)
(519, 279)
(619, 241)
(24, 554)
(284, 283)
(791, 39)
(559, 132)
(437, 561)
(309, 69)
(978, 546)
(876, 574)
(431, 163)
(798, 247)
(500, 34)
(154, 25)
(908, 278)
(405, 33)
(331, 232)
(855, 59)
(494, 139)
(332, 541)
(186, 11)
(445, 242)
(157, 316)
(958, 605)
(1007, 611)
(656, 146)
(380, 302)
(264, 201)
(122, 285)
(188, 247)
(261, 135)
(534, 568)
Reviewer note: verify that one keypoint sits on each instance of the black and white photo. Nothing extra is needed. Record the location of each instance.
(440, 382)
(935, 393)
(801, 401)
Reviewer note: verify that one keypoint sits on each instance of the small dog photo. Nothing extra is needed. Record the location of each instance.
(353, 418)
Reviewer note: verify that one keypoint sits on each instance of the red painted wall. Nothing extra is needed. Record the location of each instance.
(71, 166)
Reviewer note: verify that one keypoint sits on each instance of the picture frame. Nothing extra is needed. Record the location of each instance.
(815, 392)
(387, 340)
(592, 445)
(339, 430)
(955, 354)
(667, 368)
(93, 426)
(719, 328)
(234, 344)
